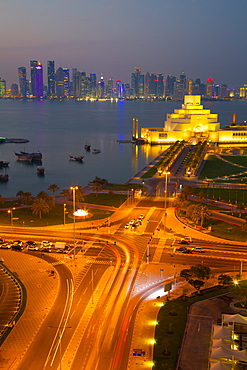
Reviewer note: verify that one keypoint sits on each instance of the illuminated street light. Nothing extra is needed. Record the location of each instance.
(80, 213)
(10, 211)
(74, 188)
(166, 177)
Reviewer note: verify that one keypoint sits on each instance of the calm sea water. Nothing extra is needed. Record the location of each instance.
(60, 129)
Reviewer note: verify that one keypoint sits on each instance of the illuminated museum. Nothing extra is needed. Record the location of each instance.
(191, 123)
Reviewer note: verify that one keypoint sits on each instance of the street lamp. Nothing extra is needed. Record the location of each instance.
(10, 211)
(166, 177)
(64, 212)
(74, 188)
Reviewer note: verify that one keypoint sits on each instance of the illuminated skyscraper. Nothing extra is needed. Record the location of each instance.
(160, 87)
(36, 79)
(93, 84)
(2, 88)
(51, 78)
(170, 87)
(109, 88)
(66, 82)
(59, 83)
(209, 88)
(137, 83)
(22, 73)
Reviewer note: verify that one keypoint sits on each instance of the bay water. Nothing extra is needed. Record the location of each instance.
(59, 129)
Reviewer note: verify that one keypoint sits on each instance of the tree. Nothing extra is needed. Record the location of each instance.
(97, 187)
(186, 273)
(66, 193)
(201, 196)
(187, 191)
(240, 293)
(53, 188)
(25, 197)
(39, 206)
(224, 280)
(197, 284)
(200, 271)
(46, 197)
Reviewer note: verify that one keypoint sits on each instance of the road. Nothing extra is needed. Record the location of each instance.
(90, 325)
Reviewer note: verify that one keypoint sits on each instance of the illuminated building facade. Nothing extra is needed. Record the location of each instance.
(51, 78)
(36, 79)
(192, 123)
(2, 88)
(22, 74)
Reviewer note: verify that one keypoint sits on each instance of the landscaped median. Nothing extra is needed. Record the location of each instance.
(169, 332)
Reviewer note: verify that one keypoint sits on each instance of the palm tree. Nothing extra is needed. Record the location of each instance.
(97, 187)
(27, 198)
(46, 197)
(39, 206)
(187, 191)
(53, 188)
(66, 193)
(201, 196)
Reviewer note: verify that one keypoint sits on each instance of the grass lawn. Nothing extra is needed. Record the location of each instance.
(214, 167)
(172, 342)
(114, 200)
(238, 159)
(24, 217)
(227, 231)
(122, 187)
(234, 195)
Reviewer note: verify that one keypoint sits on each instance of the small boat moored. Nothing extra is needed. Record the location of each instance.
(76, 159)
(4, 178)
(40, 170)
(4, 164)
(96, 151)
(87, 147)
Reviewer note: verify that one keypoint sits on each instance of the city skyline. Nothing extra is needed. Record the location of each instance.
(204, 39)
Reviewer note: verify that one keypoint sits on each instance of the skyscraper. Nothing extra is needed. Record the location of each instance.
(209, 88)
(2, 87)
(60, 83)
(51, 78)
(93, 84)
(22, 73)
(66, 81)
(36, 79)
(170, 87)
(137, 83)
(160, 88)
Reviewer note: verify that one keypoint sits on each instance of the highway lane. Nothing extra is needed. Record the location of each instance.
(42, 351)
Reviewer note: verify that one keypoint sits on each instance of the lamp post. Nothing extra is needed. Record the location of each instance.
(74, 188)
(166, 178)
(10, 211)
(64, 212)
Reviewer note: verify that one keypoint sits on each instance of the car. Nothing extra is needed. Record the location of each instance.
(188, 239)
(32, 247)
(5, 246)
(17, 242)
(46, 250)
(188, 251)
(30, 242)
(45, 244)
(141, 217)
(16, 247)
(127, 226)
(2, 241)
(182, 241)
(181, 249)
(197, 249)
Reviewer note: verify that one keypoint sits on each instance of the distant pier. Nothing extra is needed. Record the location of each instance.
(13, 140)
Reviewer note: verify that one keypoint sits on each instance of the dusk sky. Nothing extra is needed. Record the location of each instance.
(203, 38)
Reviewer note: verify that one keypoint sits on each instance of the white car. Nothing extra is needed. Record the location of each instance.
(5, 246)
(45, 244)
(197, 249)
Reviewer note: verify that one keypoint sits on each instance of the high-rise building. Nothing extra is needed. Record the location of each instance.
(51, 78)
(119, 89)
(137, 83)
(170, 87)
(22, 73)
(109, 88)
(180, 89)
(224, 92)
(36, 79)
(66, 82)
(101, 88)
(93, 84)
(210, 88)
(189, 86)
(2, 87)
(160, 87)
(14, 91)
(60, 83)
